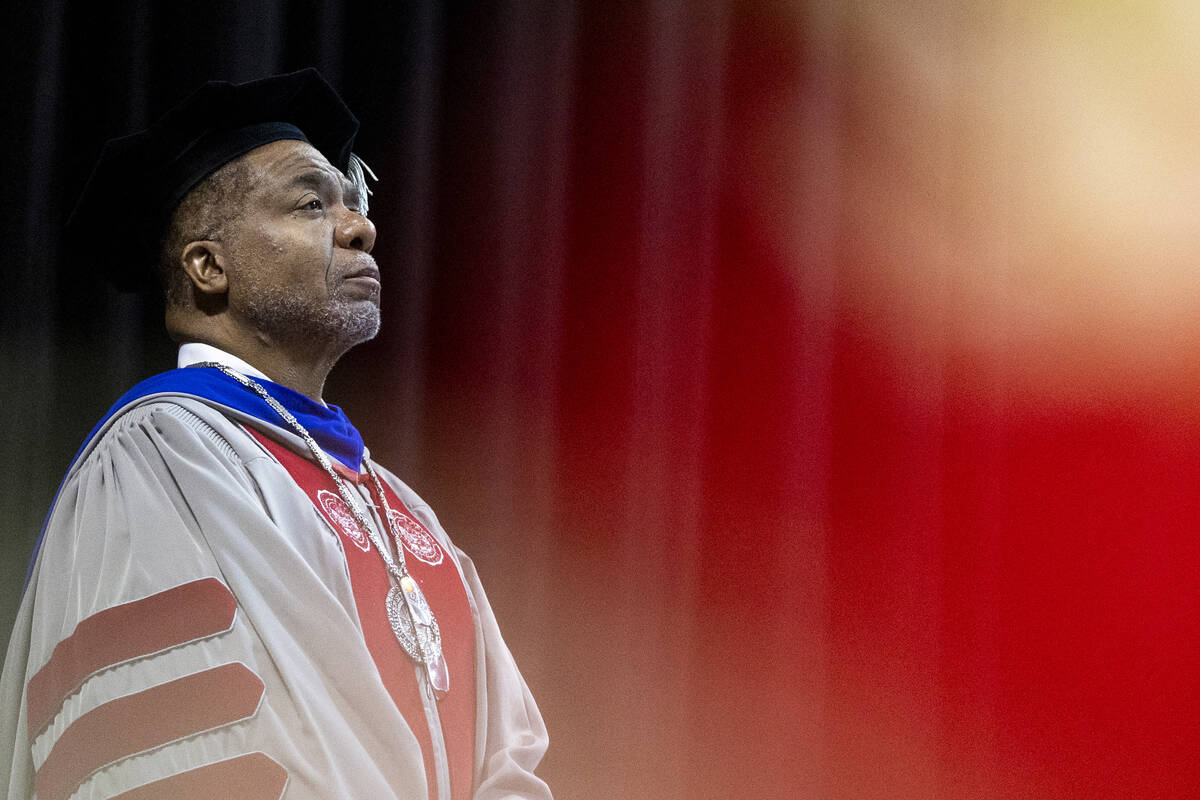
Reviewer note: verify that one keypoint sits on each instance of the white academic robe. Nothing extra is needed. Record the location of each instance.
(172, 491)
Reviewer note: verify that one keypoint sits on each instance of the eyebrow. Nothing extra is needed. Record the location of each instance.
(318, 177)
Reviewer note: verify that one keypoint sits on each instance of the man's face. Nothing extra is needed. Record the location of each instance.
(300, 270)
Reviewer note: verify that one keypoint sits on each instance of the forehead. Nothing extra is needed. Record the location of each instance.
(279, 162)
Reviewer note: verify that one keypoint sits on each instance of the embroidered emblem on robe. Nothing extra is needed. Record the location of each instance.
(343, 518)
(417, 540)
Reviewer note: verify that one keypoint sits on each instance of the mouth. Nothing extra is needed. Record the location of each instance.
(367, 272)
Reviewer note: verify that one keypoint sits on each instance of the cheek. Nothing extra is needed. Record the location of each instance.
(275, 259)
(257, 246)
(271, 245)
(285, 258)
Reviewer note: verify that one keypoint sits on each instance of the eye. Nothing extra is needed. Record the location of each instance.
(313, 205)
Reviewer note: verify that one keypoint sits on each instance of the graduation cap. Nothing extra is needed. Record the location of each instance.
(140, 179)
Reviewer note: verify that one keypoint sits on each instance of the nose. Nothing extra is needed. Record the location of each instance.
(355, 232)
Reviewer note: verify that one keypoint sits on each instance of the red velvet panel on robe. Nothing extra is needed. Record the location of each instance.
(435, 572)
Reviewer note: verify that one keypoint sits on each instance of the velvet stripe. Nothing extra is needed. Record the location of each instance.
(131, 630)
(254, 776)
(145, 720)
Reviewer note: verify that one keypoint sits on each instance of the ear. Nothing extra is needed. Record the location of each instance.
(204, 263)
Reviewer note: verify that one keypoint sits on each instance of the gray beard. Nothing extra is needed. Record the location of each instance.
(288, 318)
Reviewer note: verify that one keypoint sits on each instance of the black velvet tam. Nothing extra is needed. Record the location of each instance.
(119, 222)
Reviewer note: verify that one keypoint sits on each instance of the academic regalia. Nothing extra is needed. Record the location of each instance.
(194, 616)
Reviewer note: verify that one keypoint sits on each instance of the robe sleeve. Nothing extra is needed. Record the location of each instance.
(513, 736)
(126, 666)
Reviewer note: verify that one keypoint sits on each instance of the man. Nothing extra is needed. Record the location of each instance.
(230, 599)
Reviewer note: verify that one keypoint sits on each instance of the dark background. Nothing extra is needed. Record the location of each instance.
(703, 333)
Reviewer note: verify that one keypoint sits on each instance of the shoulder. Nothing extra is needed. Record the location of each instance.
(166, 429)
(141, 495)
(135, 494)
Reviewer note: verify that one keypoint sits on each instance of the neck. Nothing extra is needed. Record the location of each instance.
(298, 352)
(301, 368)
(305, 377)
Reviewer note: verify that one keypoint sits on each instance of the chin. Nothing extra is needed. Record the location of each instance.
(361, 323)
(289, 317)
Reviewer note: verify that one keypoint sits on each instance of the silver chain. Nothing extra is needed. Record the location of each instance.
(419, 637)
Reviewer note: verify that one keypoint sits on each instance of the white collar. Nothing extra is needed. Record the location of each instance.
(196, 352)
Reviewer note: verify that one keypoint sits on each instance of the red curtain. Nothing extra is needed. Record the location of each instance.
(777, 411)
